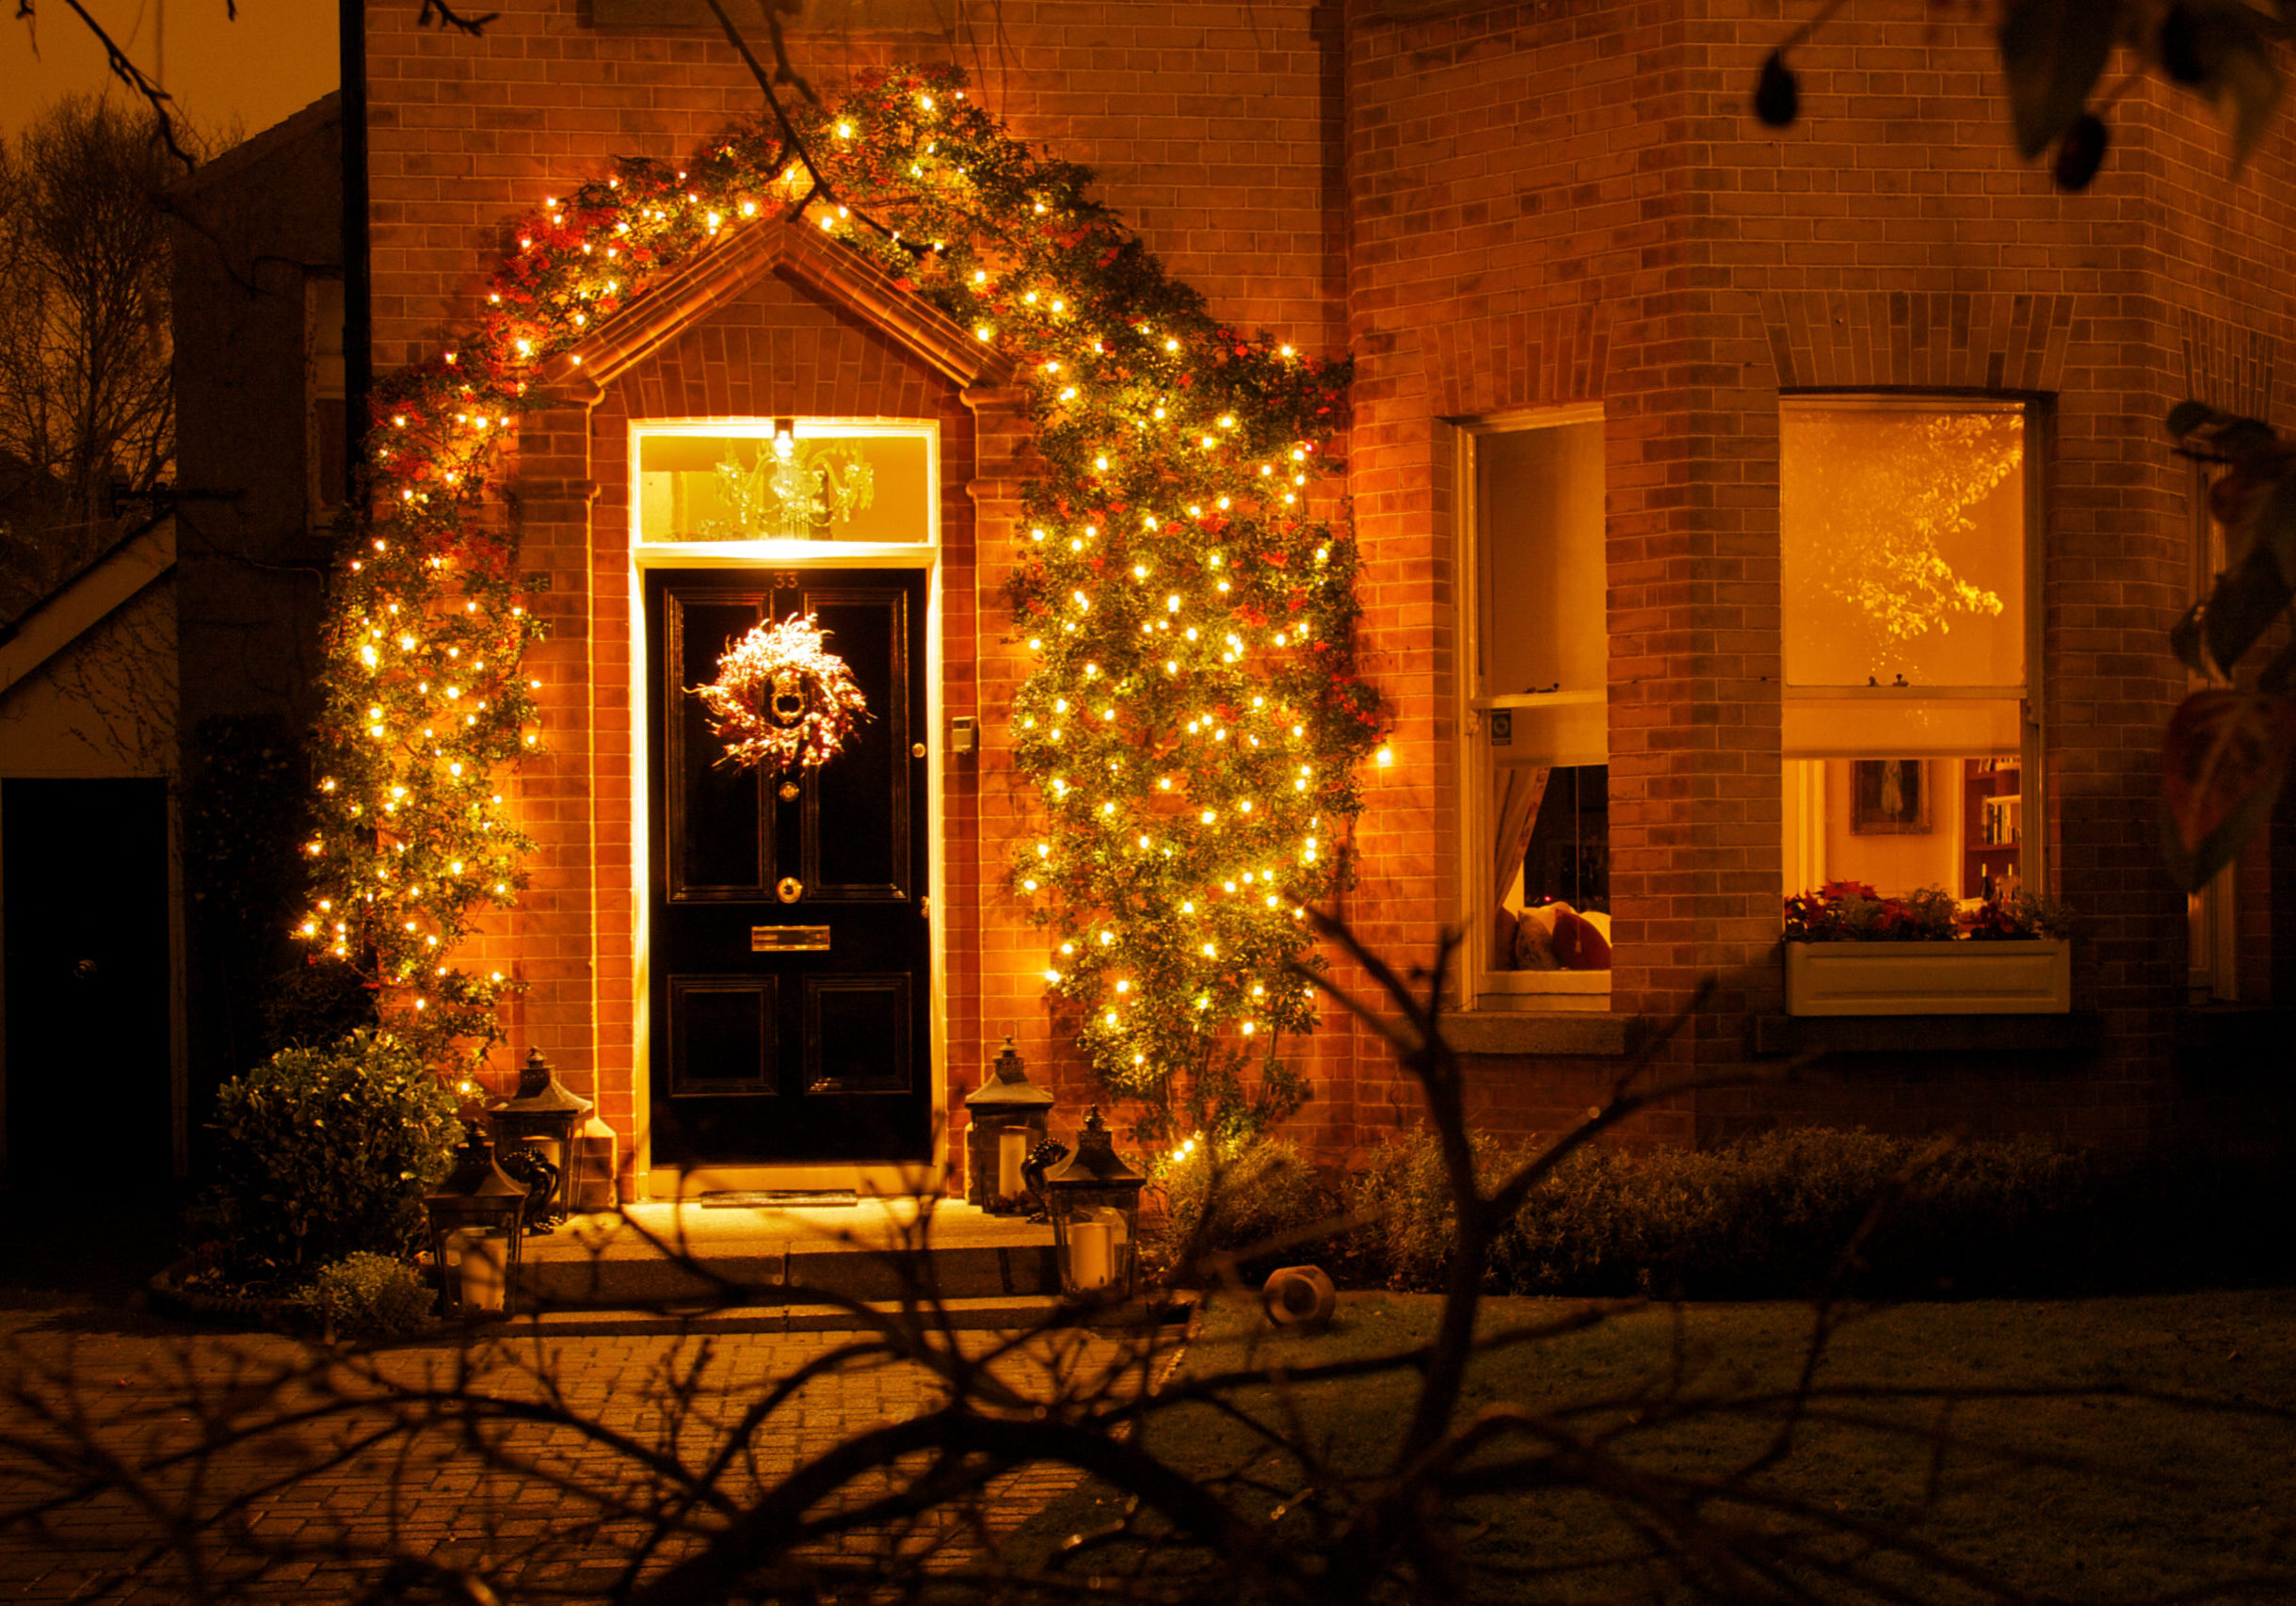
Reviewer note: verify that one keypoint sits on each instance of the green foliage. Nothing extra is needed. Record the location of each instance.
(1193, 719)
(1404, 1184)
(368, 1298)
(322, 1152)
(1224, 1198)
(1218, 1104)
(1774, 1216)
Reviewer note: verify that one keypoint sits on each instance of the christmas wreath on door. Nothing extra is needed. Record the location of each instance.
(782, 700)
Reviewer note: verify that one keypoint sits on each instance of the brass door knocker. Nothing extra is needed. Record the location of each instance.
(788, 698)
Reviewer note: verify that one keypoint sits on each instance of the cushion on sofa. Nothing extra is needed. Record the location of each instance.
(1578, 943)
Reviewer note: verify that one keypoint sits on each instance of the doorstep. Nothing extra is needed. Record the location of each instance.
(967, 1315)
(659, 1255)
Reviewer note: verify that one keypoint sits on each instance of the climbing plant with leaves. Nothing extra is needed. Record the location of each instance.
(1192, 720)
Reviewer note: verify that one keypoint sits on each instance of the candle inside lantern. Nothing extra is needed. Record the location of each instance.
(1012, 1151)
(1091, 1257)
(479, 1263)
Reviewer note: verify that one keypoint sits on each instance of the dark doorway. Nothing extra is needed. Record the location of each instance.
(83, 898)
(791, 971)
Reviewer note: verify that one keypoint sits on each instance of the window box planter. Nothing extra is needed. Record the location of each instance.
(2022, 976)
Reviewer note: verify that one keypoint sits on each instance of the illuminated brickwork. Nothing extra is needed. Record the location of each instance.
(1494, 209)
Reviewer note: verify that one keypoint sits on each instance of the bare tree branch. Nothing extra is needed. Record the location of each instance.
(125, 68)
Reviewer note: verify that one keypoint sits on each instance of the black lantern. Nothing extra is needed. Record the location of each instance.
(475, 1219)
(1008, 1120)
(1095, 1200)
(546, 1117)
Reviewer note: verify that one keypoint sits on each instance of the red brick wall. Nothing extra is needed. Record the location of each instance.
(1519, 175)
(1212, 127)
(1518, 238)
(1901, 181)
(1499, 207)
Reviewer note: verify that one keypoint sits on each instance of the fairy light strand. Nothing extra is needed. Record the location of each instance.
(1192, 717)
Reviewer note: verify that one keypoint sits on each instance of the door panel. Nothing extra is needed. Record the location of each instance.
(857, 841)
(789, 948)
(721, 1036)
(719, 825)
(857, 1034)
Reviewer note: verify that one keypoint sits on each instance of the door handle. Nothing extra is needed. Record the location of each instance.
(789, 889)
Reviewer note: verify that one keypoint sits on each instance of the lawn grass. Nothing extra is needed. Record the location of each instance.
(2084, 1465)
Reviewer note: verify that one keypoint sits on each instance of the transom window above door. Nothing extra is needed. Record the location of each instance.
(778, 482)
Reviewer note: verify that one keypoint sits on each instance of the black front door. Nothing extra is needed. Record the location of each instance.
(790, 998)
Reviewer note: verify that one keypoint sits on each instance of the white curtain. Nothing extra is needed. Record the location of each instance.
(1520, 792)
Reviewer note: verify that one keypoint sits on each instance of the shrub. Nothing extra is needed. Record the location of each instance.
(1772, 1217)
(1252, 1193)
(324, 1152)
(1404, 1183)
(368, 1298)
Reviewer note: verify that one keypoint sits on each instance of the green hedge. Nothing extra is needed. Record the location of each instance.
(1774, 1216)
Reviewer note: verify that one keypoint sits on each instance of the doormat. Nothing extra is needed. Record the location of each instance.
(783, 1198)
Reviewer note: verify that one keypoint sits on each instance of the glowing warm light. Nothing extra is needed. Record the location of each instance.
(1089, 626)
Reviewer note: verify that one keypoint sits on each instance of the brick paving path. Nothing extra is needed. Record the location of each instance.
(544, 1510)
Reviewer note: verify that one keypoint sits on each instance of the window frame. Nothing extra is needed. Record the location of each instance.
(1558, 991)
(807, 553)
(2037, 412)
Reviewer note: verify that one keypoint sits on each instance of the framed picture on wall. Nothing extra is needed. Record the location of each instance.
(1889, 797)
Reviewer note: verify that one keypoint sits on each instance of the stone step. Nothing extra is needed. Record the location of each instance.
(966, 1314)
(653, 1256)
